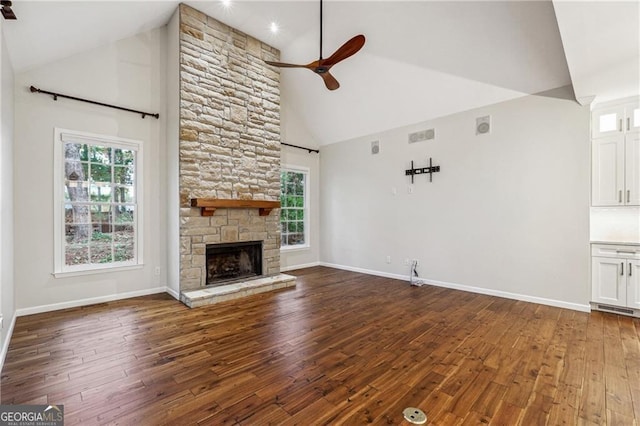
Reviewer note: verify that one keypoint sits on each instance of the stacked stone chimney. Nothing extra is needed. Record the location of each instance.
(229, 140)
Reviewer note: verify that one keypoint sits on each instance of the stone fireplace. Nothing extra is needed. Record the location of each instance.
(229, 148)
(231, 262)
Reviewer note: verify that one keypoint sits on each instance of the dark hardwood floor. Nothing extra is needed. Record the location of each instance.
(341, 348)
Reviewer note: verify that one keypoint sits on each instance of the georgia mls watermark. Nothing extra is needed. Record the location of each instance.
(31, 415)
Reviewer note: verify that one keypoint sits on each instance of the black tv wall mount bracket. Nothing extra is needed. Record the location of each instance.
(422, 170)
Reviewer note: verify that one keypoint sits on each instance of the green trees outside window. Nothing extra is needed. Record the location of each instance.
(99, 204)
(293, 208)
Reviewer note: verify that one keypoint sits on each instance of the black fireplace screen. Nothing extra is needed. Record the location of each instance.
(233, 261)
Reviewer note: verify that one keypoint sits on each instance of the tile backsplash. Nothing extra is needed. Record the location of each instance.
(615, 224)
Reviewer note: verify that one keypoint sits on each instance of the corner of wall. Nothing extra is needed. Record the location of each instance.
(7, 284)
(172, 155)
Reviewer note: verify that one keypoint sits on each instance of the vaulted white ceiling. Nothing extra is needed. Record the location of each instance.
(422, 59)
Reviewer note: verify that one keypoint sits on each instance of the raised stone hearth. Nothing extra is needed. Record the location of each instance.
(217, 294)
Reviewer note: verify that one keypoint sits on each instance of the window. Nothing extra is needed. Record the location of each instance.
(294, 217)
(97, 206)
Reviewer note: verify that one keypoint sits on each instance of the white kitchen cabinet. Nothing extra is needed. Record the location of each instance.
(633, 284)
(617, 118)
(615, 278)
(632, 169)
(615, 172)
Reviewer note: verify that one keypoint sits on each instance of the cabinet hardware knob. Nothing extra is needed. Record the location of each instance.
(629, 268)
(622, 268)
(628, 196)
(620, 126)
(628, 123)
(620, 196)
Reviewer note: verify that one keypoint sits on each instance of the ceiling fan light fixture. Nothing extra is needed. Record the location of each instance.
(7, 13)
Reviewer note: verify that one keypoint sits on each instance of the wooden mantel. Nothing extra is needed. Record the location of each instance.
(209, 205)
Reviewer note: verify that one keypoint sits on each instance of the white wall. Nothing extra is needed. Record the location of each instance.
(615, 224)
(7, 305)
(294, 132)
(131, 73)
(304, 257)
(508, 214)
(173, 156)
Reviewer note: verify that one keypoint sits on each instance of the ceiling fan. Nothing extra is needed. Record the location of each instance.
(322, 66)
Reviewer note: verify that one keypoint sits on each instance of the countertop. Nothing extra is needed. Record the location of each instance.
(617, 243)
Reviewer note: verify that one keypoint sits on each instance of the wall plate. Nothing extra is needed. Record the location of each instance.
(422, 135)
(375, 147)
(483, 125)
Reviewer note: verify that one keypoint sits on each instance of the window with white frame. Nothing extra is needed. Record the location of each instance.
(294, 213)
(97, 186)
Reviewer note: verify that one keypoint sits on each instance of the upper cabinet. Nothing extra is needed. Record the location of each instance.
(615, 155)
(616, 119)
(615, 174)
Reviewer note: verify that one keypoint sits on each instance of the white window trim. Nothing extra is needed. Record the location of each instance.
(60, 269)
(307, 207)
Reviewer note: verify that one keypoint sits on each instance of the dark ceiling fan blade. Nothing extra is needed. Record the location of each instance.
(7, 12)
(329, 80)
(283, 65)
(350, 48)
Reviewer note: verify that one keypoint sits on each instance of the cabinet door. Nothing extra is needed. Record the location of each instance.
(608, 284)
(608, 121)
(607, 171)
(632, 169)
(633, 283)
(632, 117)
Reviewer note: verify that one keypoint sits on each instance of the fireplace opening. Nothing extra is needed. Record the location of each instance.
(233, 261)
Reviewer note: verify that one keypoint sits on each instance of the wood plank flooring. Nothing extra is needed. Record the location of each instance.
(340, 348)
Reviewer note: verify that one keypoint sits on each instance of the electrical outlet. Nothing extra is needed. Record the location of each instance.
(409, 189)
(406, 262)
(157, 270)
(388, 259)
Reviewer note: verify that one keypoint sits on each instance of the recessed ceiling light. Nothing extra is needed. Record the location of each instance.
(226, 3)
(274, 27)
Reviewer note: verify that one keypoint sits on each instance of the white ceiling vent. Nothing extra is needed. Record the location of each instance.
(422, 135)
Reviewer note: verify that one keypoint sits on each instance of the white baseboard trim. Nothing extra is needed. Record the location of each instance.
(366, 271)
(471, 289)
(513, 296)
(172, 293)
(7, 340)
(304, 265)
(90, 301)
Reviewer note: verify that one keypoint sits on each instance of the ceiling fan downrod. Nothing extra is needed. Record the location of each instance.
(320, 60)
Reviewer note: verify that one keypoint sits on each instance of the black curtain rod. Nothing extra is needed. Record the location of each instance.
(301, 147)
(58, 95)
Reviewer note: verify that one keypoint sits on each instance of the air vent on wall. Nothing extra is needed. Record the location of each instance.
(422, 135)
(615, 309)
